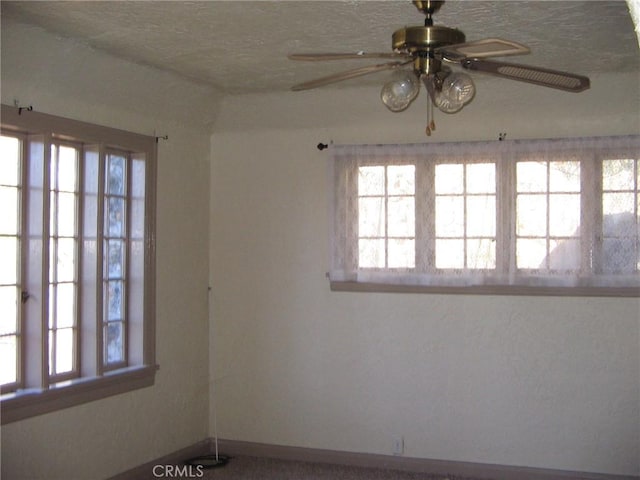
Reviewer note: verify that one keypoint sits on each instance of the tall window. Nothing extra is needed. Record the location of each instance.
(63, 261)
(76, 281)
(10, 272)
(545, 216)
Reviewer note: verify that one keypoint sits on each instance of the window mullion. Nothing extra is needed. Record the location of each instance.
(88, 279)
(385, 199)
(100, 363)
(35, 284)
(24, 294)
(127, 256)
(506, 215)
(425, 217)
(78, 358)
(590, 215)
(349, 175)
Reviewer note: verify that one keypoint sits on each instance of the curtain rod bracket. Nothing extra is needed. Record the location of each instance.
(28, 109)
(164, 137)
(322, 146)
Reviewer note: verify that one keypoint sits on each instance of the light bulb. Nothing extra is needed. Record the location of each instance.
(398, 93)
(459, 88)
(446, 104)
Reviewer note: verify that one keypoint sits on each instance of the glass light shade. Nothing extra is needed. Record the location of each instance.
(398, 93)
(459, 88)
(446, 104)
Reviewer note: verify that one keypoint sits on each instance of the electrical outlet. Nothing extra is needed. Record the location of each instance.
(398, 445)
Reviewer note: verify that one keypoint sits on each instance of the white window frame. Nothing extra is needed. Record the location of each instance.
(506, 278)
(92, 378)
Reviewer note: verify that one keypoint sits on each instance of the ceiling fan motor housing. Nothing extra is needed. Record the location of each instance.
(421, 41)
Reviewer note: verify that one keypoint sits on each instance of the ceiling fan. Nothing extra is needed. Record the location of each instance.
(430, 49)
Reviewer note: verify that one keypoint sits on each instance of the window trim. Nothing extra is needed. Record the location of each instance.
(28, 402)
(346, 280)
(516, 290)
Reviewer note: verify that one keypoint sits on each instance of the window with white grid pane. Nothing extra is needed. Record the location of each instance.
(620, 216)
(548, 212)
(63, 261)
(465, 216)
(77, 281)
(539, 216)
(386, 226)
(10, 272)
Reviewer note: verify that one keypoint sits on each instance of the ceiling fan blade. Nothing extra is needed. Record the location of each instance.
(356, 72)
(569, 82)
(488, 47)
(321, 57)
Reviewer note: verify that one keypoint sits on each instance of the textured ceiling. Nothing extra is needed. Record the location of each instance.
(241, 46)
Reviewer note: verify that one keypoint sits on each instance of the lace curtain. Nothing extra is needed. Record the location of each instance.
(562, 212)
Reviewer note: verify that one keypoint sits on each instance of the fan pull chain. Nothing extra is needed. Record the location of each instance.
(431, 124)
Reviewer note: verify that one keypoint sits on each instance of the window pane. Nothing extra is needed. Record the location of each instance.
(65, 305)
(370, 181)
(481, 253)
(401, 218)
(619, 255)
(67, 169)
(481, 178)
(115, 259)
(114, 336)
(531, 176)
(371, 217)
(449, 178)
(616, 203)
(617, 174)
(9, 217)
(114, 300)
(8, 359)
(10, 158)
(64, 350)
(481, 216)
(564, 215)
(115, 225)
(449, 216)
(371, 253)
(531, 253)
(8, 260)
(564, 176)
(401, 179)
(8, 307)
(66, 215)
(619, 225)
(137, 202)
(116, 175)
(402, 253)
(564, 255)
(65, 265)
(532, 215)
(449, 253)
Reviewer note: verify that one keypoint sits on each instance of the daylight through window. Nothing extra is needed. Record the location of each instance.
(489, 216)
(76, 275)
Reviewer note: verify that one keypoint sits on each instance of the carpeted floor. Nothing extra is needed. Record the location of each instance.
(254, 468)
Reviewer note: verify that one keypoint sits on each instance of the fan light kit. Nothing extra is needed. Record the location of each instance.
(431, 49)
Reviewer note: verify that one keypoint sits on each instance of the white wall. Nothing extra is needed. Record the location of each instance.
(528, 381)
(103, 438)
